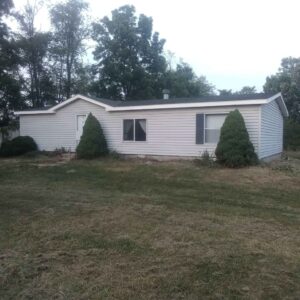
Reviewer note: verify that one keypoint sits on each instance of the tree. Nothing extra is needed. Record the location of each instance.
(183, 82)
(130, 61)
(34, 49)
(225, 92)
(247, 90)
(10, 81)
(235, 148)
(287, 81)
(83, 79)
(92, 143)
(70, 31)
(291, 135)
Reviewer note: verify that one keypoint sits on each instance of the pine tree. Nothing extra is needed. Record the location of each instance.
(92, 143)
(235, 148)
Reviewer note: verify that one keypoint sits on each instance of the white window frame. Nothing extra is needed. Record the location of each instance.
(80, 115)
(134, 141)
(217, 114)
(76, 124)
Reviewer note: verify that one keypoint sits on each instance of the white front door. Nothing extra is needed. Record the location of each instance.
(80, 124)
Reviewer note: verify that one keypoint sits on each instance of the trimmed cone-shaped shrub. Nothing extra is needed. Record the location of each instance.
(92, 143)
(18, 146)
(235, 148)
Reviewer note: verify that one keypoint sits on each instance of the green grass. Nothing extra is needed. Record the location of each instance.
(116, 229)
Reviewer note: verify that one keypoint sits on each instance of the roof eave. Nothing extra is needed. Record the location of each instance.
(110, 108)
(53, 109)
(190, 105)
(34, 112)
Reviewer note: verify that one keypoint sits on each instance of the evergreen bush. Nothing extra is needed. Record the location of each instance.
(92, 143)
(235, 148)
(18, 146)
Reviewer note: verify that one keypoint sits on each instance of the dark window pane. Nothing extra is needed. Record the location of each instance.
(128, 130)
(140, 130)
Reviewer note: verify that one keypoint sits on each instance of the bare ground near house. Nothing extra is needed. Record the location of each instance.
(137, 229)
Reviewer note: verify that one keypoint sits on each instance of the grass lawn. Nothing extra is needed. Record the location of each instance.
(138, 229)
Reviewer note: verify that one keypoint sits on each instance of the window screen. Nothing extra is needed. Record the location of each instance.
(140, 130)
(134, 130)
(128, 130)
(213, 124)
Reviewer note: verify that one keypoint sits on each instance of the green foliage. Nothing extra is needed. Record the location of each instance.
(244, 91)
(130, 60)
(18, 146)
(235, 148)
(247, 90)
(69, 22)
(225, 92)
(206, 159)
(92, 143)
(34, 52)
(10, 82)
(183, 82)
(287, 81)
(291, 135)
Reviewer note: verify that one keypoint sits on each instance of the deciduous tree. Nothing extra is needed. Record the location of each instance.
(130, 61)
(10, 94)
(70, 30)
(183, 82)
(287, 81)
(34, 50)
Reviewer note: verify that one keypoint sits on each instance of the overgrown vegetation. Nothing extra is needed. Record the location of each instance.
(107, 229)
(235, 148)
(206, 159)
(18, 146)
(93, 142)
(291, 135)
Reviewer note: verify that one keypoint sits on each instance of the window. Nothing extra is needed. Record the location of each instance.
(140, 130)
(134, 130)
(128, 130)
(213, 124)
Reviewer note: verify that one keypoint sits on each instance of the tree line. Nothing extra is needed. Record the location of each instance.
(40, 68)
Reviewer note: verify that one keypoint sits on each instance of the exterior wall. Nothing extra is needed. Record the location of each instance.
(169, 132)
(271, 136)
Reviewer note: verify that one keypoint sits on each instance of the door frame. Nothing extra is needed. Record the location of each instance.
(76, 131)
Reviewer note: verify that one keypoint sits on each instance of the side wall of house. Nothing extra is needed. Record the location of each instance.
(169, 131)
(271, 137)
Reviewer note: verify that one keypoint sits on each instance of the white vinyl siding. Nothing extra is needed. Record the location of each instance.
(169, 131)
(271, 137)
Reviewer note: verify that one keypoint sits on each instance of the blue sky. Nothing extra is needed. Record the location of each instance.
(233, 43)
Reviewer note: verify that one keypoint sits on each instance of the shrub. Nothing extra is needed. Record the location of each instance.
(18, 146)
(92, 143)
(235, 148)
(115, 155)
(291, 135)
(205, 159)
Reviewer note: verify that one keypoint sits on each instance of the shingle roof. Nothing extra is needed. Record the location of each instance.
(120, 103)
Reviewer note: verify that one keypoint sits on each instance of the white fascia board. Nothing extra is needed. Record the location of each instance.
(274, 97)
(33, 112)
(281, 103)
(109, 108)
(53, 109)
(189, 105)
(76, 97)
(283, 107)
